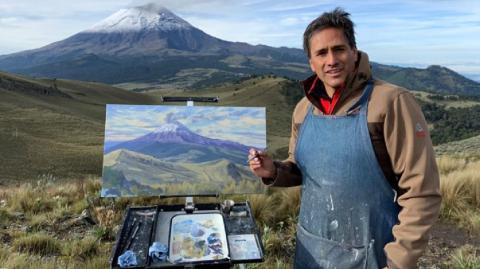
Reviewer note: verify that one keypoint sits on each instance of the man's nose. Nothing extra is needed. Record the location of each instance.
(331, 59)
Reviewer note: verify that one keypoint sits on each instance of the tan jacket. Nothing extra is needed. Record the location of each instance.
(400, 137)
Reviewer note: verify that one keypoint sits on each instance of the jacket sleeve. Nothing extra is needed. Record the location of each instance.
(411, 152)
(287, 173)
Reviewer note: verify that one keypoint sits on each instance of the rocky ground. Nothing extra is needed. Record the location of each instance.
(445, 239)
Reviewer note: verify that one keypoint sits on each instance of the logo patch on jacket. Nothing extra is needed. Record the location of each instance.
(420, 131)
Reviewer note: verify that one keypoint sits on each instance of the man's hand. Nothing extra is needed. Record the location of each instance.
(261, 164)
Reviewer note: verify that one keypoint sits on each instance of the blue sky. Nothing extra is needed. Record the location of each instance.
(407, 33)
(239, 124)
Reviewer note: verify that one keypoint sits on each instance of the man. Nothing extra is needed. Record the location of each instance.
(360, 147)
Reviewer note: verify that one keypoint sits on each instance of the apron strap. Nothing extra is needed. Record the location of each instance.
(363, 101)
(310, 109)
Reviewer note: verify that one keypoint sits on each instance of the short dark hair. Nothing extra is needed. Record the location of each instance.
(338, 18)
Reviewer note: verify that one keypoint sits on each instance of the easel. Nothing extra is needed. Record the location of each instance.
(237, 219)
(189, 204)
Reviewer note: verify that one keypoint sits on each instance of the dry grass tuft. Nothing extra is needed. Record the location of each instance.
(107, 217)
(288, 204)
(460, 188)
(466, 257)
(263, 208)
(447, 164)
(24, 261)
(30, 199)
(4, 217)
(96, 263)
(39, 243)
(4, 254)
(91, 187)
(81, 249)
(279, 242)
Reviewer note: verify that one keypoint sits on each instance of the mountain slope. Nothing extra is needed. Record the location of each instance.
(54, 127)
(148, 43)
(149, 47)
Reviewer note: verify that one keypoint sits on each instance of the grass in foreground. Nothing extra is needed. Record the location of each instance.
(39, 223)
(460, 188)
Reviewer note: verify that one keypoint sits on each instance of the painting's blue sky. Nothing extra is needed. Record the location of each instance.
(408, 33)
(243, 125)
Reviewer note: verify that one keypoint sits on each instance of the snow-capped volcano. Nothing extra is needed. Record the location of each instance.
(150, 43)
(141, 18)
(176, 133)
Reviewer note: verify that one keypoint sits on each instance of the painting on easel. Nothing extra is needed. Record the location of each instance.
(180, 150)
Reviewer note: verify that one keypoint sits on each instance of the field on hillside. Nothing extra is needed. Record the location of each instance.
(449, 101)
(53, 127)
(67, 225)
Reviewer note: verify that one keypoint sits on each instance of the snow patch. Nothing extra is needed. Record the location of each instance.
(148, 17)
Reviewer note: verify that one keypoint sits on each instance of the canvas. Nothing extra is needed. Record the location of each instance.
(153, 150)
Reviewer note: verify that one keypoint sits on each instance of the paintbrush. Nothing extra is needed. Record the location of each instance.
(256, 155)
(139, 223)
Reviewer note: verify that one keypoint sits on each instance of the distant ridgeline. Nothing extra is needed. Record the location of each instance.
(435, 79)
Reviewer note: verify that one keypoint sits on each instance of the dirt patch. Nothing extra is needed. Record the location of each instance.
(445, 237)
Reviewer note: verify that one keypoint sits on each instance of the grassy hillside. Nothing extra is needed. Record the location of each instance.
(469, 148)
(68, 225)
(54, 127)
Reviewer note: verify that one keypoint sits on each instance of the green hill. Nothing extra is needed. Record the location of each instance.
(51, 128)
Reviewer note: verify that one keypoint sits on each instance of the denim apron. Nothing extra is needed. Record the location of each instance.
(348, 208)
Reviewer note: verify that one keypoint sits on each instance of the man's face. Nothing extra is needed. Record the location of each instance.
(331, 57)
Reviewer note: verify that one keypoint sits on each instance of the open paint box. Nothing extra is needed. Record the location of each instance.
(205, 238)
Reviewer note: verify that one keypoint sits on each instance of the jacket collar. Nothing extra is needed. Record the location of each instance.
(356, 81)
